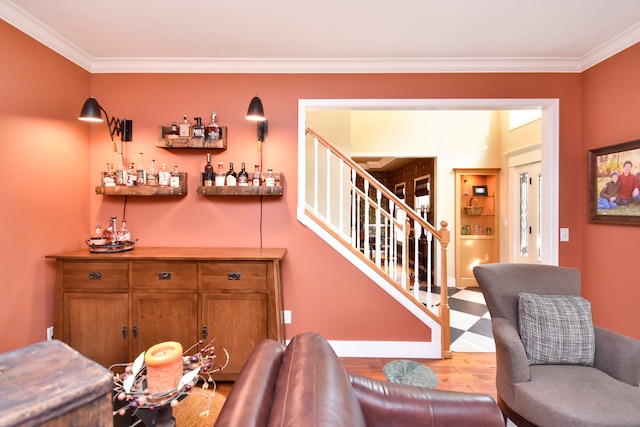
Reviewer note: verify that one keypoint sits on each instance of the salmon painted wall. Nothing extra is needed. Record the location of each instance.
(610, 252)
(323, 291)
(43, 179)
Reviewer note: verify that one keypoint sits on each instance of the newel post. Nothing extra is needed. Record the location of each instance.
(445, 238)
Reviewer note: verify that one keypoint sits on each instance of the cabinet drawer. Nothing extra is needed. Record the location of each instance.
(95, 275)
(234, 275)
(164, 275)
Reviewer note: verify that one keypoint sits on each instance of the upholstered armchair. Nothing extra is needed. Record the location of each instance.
(554, 368)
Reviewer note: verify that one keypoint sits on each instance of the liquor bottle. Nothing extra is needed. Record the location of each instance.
(110, 176)
(270, 180)
(256, 176)
(220, 175)
(243, 177)
(197, 131)
(174, 129)
(123, 235)
(121, 172)
(132, 175)
(174, 179)
(142, 174)
(208, 178)
(185, 127)
(163, 176)
(152, 174)
(231, 176)
(213, 130)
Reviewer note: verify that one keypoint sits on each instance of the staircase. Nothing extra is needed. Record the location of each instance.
(372, 228)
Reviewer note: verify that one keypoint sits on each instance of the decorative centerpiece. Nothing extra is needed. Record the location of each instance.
(112, 239)
(162, 376)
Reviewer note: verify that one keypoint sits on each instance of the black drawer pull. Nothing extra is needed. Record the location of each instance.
(205, 331)
(95, 275)
(233, 276)
(164, 275)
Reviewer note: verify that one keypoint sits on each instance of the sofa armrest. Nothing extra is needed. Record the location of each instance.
(617, 355)
(387, 404)
(511, 358)
(249, 401)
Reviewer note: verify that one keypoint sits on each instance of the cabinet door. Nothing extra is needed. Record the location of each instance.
(236, 322)
(96, 325)
(159, 317)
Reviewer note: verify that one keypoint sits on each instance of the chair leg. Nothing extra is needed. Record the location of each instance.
(512, 415)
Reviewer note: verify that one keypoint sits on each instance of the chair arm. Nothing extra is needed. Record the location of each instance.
(387, 404)
(617, 355)
(511, 358)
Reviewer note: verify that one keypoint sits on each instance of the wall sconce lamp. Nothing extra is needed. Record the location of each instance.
(92, 112)
(256, 113)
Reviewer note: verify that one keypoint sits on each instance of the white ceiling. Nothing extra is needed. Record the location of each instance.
(302, 36)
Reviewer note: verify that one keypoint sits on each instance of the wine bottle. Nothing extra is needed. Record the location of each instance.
(142, 174)
(220, 175)
(152, 174)
(270, 180)
(185, 127)
(197, 131)
(163, 176)
(213, 130)
(231, 176)
(174, 179)
(207, 179)
(256, 176)
(243, 177)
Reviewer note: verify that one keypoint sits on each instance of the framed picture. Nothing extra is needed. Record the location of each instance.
(614, 184)
(479, 190)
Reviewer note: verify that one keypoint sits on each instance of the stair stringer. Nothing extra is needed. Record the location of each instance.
(395, 349)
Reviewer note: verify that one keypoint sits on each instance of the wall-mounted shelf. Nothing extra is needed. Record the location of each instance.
(243, 191)
(145, 190)
(173, 142)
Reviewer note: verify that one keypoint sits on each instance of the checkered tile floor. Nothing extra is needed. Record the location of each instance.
(470, 320)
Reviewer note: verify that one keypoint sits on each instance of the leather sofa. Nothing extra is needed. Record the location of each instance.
(305, 384)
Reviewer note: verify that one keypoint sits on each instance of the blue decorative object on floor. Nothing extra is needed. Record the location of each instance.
(410, 372)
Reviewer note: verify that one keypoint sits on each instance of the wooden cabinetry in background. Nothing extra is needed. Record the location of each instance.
(111, 307)
(477, 221)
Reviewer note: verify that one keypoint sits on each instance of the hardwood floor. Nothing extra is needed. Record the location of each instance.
(469, 372)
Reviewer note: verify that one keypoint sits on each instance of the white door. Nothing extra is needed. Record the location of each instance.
(527, 198)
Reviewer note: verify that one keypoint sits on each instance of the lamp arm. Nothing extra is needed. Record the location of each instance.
(115, 128)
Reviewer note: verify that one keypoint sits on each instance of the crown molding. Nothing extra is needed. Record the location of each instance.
(36, 29)
(43, 34)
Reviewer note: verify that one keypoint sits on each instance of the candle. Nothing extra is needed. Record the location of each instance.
(164, 366)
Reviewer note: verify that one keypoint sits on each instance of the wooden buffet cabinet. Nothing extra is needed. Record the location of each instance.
(113, 306)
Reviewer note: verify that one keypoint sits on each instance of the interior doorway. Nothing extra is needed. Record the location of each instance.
(548, 229)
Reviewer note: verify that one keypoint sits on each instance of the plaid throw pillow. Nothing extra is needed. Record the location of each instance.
(556, 329)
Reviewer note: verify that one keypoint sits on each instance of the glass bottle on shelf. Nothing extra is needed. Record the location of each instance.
(207, 179)
(142, 174)
(109, 179)
(185, 127)
(256, 176)
(231, 176)
(270, 180)
(174, 179)
(220, 175)
(197, 131)
(132, 175)
(152, 174)
(121, 172)
(243, 177)
(163, 176)
(212, 129)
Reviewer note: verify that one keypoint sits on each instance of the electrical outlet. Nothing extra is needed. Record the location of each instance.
(287, 316)
(49, 333)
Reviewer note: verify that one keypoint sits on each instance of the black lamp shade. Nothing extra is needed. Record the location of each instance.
(91, 111)
(255, 112)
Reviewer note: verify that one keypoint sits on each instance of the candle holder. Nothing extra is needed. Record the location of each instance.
(133, 397)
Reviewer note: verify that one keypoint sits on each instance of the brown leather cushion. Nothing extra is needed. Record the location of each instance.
(313, 388)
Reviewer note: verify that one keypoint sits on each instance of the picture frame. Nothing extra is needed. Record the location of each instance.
(604, 163)
(480, 190)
